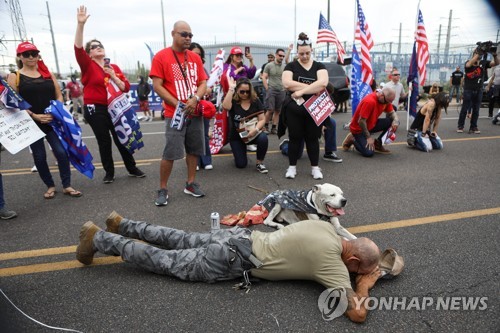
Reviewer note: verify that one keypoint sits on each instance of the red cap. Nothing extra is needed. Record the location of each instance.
(26, 46)
(236, 50)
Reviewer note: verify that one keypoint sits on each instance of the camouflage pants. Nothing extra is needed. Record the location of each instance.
(203, 257)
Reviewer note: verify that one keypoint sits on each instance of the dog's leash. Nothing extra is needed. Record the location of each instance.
(258, 189)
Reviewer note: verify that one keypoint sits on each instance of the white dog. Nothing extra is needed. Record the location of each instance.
(322, 202)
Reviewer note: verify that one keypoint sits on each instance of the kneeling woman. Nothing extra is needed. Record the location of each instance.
(241, 101)
(428, 116)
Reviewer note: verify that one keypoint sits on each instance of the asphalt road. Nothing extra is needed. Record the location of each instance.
(445, 205)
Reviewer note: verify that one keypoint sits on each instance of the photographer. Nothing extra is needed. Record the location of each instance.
(475, 70)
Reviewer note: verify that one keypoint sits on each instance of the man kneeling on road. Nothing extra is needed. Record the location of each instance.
(306, 250)
(365, 122)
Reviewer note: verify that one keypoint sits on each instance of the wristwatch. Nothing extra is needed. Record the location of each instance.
(197, 98)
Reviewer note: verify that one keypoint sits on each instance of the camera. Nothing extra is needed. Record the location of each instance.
(486, 47)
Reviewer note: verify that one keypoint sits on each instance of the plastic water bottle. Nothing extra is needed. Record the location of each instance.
(215, 221)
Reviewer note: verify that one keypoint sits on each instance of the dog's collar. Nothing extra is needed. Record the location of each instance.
(309, 199)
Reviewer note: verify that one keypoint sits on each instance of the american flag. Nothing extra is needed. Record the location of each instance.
(422, 48)
(364, 35)
(327, 35)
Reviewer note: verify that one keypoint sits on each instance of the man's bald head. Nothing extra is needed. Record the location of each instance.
(181, 36)
(367, 252)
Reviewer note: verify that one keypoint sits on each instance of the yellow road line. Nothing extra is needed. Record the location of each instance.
(56, 266)
(119, 164)
(424, 220)
(37, 253)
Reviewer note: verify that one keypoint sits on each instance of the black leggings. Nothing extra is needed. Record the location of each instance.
(301, 127)
(100, 121)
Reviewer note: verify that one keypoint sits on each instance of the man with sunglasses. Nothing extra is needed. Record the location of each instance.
(397, 86)
(180, 80)
(366, 122)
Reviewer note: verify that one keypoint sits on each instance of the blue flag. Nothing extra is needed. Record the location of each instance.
(12, 99)
(359, 89)
(70, 135)
(413, 78)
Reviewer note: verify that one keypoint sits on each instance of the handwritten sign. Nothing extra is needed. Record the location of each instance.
(17, 129)
(320, 106)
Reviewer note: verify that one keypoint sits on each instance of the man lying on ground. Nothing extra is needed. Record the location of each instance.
(306, 250)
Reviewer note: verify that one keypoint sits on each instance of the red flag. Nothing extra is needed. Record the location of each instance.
(364, 35)
(327, 35)
(422, 48)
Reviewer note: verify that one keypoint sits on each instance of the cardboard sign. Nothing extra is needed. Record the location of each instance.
(320, 106)
(17, 129)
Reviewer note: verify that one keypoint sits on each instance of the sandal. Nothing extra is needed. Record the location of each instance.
(72, 192)
(50, 194)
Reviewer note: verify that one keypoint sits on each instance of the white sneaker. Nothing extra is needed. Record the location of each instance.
(252, 147)
(150, 119)
(316, 173)
(291, 172)
(197, 168)
(34, 169)
(209, 167)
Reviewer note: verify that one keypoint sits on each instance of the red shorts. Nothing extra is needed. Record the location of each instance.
(144, 105)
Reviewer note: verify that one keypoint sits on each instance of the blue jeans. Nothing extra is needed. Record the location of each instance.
(435, 142)
(239, 149)
(472, 99)
(40, 159)
(455, 89)
(383, 124)
(206, 159)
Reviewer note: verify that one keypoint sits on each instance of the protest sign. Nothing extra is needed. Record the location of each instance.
(320, 106)
(17, 129)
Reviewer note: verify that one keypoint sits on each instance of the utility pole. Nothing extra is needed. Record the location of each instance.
(53, 39)
(448, 34)
(439, 42)
(399, 41)
(163, 25)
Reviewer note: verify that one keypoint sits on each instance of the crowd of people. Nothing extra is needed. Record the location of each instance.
(180, 80)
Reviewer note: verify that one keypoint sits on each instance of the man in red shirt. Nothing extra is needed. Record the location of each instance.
(74, 92)
(366, 121)
(180, 80)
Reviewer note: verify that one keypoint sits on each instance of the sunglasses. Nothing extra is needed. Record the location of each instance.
(238, 55)
(95, 46)
(396, 74)
(303, 42)
(27, 54)
(185, 34)
(281, 55)
(385, 100)
(244, 92)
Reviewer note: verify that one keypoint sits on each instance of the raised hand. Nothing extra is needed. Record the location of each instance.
(81, 15)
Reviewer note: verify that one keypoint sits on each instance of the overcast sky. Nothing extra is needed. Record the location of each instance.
(124, 26)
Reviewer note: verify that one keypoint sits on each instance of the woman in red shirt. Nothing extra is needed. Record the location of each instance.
(95, 72)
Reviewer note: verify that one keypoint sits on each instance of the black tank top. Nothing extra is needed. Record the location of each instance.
(38, 92)
(418, 123)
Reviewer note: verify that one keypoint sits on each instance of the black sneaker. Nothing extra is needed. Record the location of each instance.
(6, 214)
(262, 168)
(332, 157)
(137, 173)
(194, 189)
(162, 199)
(108, 179)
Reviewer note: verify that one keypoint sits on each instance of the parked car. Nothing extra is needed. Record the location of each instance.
(336, 76)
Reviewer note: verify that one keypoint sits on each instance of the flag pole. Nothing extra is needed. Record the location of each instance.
(411, 83)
